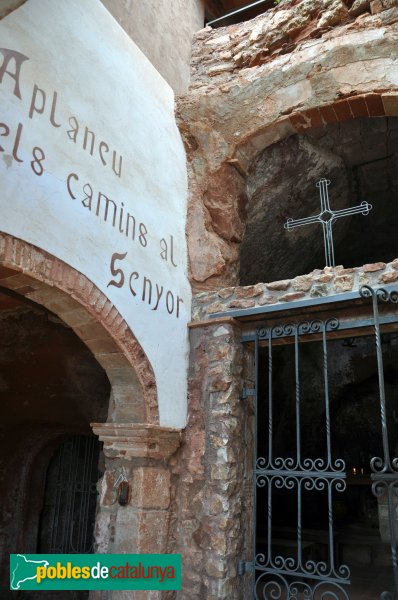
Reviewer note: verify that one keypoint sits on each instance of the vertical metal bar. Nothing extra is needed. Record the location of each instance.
(270, 402)
(382, 393)
(298, 442)
(255, 449)
(297, 396)
(270, 444)
(328, 444)
(325, 243)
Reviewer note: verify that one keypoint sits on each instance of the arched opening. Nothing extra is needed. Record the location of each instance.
(114, 390)
(40, 277)
(51, 389)
(360, 157)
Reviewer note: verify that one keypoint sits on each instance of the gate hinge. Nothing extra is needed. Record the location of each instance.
(247, 392)
(244, 567)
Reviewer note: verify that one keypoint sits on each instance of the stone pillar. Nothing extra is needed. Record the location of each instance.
(140, 452)
(215, 467)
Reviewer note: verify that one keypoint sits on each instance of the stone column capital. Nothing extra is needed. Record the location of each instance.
(137, 440)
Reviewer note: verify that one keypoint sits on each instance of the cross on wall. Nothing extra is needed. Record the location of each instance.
(326, 218)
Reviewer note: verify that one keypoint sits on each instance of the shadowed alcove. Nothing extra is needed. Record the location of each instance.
(360, 158)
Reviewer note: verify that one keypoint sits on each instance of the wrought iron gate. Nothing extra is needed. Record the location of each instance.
(68, 515)
(300, 576)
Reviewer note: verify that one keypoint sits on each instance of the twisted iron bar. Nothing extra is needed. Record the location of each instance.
(384, 470)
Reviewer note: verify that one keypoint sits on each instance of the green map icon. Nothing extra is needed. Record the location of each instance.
(24, 569)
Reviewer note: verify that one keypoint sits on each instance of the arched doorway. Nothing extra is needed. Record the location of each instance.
(52, 388)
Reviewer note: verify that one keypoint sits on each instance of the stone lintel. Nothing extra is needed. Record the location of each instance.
(137, 440)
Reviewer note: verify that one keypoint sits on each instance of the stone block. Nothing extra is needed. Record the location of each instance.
(372, 267)
(343, 283)
(241, 304)
(389, 277)
(394, 263)
(302, 283)
(140, 531)
(150, 488)
(292, 297)
(277, 286)
(251, 291)
(226, 292)
(318, 291)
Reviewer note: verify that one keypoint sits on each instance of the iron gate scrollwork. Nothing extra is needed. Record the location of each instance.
(301, 577)
(276, 576)
(384, 469)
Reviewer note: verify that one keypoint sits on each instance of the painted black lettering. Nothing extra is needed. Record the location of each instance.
(117, 272)
(163, 247)
(37, 162)
(38, 101)
(89, 195)
(100, 149)
(53, 109)
(16, 143)
(134, 275)
(121, 218)
(159, 293)
(178, 305)
(87, 132)
(127, 226)
(118, 173)
(169, 300)
(5, 134)
(72, 133)
(18, 58)
(148, 282)
(143, 233)
(107, 202)
(71, 176)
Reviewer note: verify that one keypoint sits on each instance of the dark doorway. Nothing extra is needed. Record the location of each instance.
(70, 497)
(51, 389)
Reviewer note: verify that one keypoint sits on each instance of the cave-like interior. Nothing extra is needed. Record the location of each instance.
(360, 158)
(360, 520)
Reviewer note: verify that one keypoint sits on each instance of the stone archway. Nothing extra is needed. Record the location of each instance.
(134, 442)
(237, 110)
(46, 280)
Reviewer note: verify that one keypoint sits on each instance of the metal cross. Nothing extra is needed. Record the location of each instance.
(327, 217)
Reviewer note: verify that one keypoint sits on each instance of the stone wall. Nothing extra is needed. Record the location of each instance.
(213, 470)
(320, 283)
(312, 76)
(213, 501)
(163, 30)
(220, 54)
